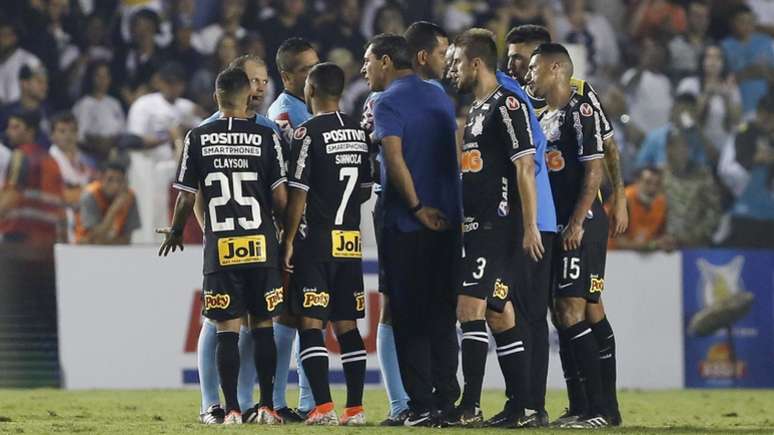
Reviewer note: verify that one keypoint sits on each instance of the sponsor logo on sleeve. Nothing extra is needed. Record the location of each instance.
(586, 110)
(512, 103)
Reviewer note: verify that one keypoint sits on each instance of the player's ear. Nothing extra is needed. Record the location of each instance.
(422, 57)
(215, 97)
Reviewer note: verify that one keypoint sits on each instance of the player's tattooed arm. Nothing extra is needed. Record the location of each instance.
(174, 238)
(295, 209)
(525, 178)
(620, 215)
(573, 233)
(400, 178)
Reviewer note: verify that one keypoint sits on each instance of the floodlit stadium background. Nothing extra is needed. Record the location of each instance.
(61, 303)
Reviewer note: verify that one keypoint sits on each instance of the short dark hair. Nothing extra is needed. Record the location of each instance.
(393, 46)
(327, 78)
(30, 118)
(288, 50)
(147, 14)
(479, 43)
(230, 82)
(740, 8)
(551, 49)
(114, 165)
(91, 70)
(172, 72)
(64, 117)
(423, 35)
(685, 98)
(528, 33)
(27, 72)
(654, 169)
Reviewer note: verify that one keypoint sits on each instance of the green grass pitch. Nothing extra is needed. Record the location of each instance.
(173, 412)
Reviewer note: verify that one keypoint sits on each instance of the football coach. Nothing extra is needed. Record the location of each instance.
(414, 121)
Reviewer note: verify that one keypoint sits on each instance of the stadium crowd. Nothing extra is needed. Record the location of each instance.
(86, 87)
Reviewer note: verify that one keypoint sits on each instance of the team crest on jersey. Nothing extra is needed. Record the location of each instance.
(478, 125)
(586, 110)
(299, 133)
(512, 103)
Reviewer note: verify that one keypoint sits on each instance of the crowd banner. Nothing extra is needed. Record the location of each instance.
(728, 318)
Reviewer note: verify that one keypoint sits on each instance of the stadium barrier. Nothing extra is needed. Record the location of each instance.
(129, 319)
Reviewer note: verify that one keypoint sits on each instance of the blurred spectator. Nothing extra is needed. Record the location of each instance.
(627, 135)
(5, 161)
(719, 101)
(660, 19)
(531, 12)
(647, 207)
(143, 58)
(77, 168)
(693, 197)
(182, 50)
(289, 21)
(203, 82)
(127, 11)
(747, 168)
(159, 119)
(93, 47)
(108, 213)
(31, 202)
(389, 19)
(206, 40)
(685, 50)
(342, 29)
(12, 59)
(357, 89)
(750, 56)
(33, 83)
(764, 12)
(648, 90)
(683, 119)
(580, 26)
(100, 115)
(615, 11)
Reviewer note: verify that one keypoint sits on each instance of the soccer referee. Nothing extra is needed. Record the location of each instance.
(415, 123)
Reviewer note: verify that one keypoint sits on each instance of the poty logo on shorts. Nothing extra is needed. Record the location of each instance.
(360, 301)
(597, 284)
(500, 290)
(316, 299)
(213, 301)
(274, 298)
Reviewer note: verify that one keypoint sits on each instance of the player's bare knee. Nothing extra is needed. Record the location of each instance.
(499, 322)
(341, 327)
(570, 311)
(470, 308)
(595, 312)
(231, 325)
(311, 323)
(256, 322)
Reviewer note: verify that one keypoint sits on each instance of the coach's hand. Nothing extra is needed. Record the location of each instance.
(572, 236)
(532, 243)
(619, 219)
(172, 241)
(432, 218)
(286, 264)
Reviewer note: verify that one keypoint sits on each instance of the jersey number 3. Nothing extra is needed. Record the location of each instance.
(226, 195)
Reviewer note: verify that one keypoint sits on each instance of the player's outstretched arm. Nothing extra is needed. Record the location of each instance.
(295, 209)
(525, 179)
(400, 178)
(619, 218)
(573, 233)
(174, 238)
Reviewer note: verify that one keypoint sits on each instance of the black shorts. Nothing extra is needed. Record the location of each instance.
(531, 287)
(328, 290)
(579, 273)
(485, 269)
(230, 294)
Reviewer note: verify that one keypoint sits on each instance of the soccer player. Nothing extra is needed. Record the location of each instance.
(573, 126)
(500, 212)
(211, 411)
(415, 123)
(330, 176)
(522, 41)
(238, 165)
(428, 44)
(295, 58)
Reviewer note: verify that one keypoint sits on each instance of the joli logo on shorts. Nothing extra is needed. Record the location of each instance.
(242, 250)
(216, 301)
(346, 244)
(597, 284)
(274, 298)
